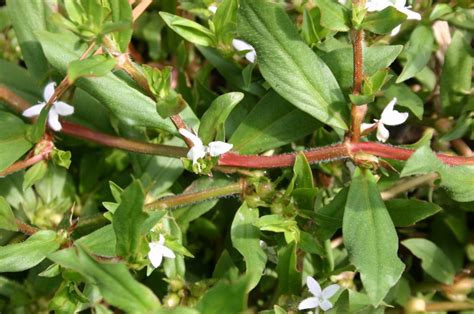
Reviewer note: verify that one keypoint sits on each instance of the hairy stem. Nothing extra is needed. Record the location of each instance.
(195, 197)
(25, 228)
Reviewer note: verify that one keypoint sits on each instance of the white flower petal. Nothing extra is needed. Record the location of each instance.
(192, 137)
(376, 5)
(329, 291)
(196, 152)
(325, 305)
(49, 91)
(167, 252)
(34, 111)
(313, 286)
(309, 303)
(218, 148)
(391, 116)
(400, 3)
(161, 241)
(241, 45)
(63, 109)
(154, 255)
(382, 133)
(212, 8)
(53, 120)
(396, 30)
(366, 126)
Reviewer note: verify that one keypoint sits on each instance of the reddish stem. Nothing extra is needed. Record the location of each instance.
(19, 165)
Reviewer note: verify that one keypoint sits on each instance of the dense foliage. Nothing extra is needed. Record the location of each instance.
(201, 156)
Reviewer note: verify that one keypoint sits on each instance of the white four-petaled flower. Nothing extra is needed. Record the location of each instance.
(241, 45)
(158, 250)
(199, 150)
(379, 5)
(58, 108)
(389, 117)
(320, 299)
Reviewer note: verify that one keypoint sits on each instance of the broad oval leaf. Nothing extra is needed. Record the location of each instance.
(289, 65)
(370, 237)
(13, 142)
(189, 30)
(433, 260)
(25, 255)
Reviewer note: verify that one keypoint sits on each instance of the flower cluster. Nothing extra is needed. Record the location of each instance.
(199, 150)
(58, 108)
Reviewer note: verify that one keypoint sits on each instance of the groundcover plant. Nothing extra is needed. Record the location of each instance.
(236, 156)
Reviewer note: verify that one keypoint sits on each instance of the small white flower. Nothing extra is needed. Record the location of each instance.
(379, 5)
(320, 299)
(212, 8)
(241, 45)
(199, 150)
(158, 250)
(58, 108)
(389, 117)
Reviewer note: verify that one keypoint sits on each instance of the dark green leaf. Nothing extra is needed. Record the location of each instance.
(114, 281)
(25, 255)
(246, 239)
(407, 212)
(101, 242)
(456, 77)
(225, 20)
(271, 124)
(189, 30)
(382, 22)
(213, 120)
(13, 143)
(370, 237)
(225, 298)
(433, 260)
(93, 66)
(289, 278)
(417, 52)
(29, 17)
(128, 220)
(7, 219)
(289, 65)
(406, 98)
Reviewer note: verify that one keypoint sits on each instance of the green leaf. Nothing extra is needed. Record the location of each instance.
(328, 218)
(13, 143)
(417, 52)
(101, 242)
(289, 65)
(271, 124)
(122, 12)
(29, 17)
(61, 158)
(213, 120)
(433, 260)
(341, 63)
(125, 102)
(289, 278)
(455, 84)
(25, 255)
(382, 22)
(114, 281)
(225, 20)
(34, 174)
(246, 239)
(7, 219)
(370, 237)
(93, 66)
(458, 180)
(128, 220)
(189, 30)
(334, 16)
(407, 212)
(225, 298)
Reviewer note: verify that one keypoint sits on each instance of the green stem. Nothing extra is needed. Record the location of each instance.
(196, 197)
